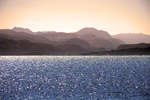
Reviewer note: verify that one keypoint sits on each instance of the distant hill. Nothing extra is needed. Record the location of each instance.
(20, 29)
(23, 47)
(133, 38)
(95, 38)
(130, 46)
(87, 40)
(98, 38)
(10, 34)
(127, 49)
(92, 32)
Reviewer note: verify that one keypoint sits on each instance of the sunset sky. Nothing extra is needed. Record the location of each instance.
(114, 16)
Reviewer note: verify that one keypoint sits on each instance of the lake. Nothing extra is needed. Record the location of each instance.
(74, 77)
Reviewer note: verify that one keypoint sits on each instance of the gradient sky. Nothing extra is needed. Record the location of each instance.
(114, 16)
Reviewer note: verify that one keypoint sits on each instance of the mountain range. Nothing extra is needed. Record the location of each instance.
(23, 41)
(132, 38)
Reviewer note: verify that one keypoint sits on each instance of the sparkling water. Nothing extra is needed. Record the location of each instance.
(74, 78)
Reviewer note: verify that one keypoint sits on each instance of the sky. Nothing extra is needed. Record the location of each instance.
(114, 16)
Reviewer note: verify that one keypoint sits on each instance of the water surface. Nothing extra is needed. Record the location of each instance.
(74, 78)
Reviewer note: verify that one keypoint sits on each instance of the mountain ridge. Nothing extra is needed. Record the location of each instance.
(84, 40)
(131, 38)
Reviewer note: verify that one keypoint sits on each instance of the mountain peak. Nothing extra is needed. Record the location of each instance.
(88, 29)
(20, 29)
(94, 31)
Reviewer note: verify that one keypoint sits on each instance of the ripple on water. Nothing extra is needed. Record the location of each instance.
(74, 78)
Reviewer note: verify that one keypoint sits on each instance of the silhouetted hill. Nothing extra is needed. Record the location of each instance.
(10, 34)
(92, 32)
(128, 49)
(98, 38)
(23, 47)
(56, 36)
(20, 29)
(12, 42)
(130, 46)
(133, 38)
(132, 51)
(95, 38)
(79, 42)
(86, 40)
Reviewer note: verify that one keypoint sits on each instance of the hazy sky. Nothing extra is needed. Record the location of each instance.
(114, 16)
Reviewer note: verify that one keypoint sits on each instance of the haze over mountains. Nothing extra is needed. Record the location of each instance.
(85, 40)
(132, 38)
